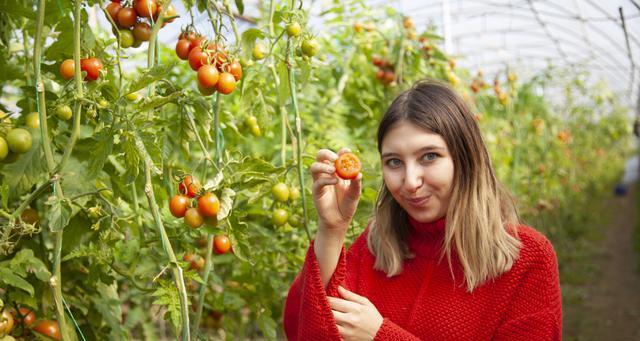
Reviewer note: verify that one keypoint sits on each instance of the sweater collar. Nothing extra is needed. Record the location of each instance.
(434, 228)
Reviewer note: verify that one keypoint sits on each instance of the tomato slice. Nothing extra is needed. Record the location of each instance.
(348, 166)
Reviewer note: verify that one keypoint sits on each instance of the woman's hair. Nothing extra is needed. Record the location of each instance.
(481, 211)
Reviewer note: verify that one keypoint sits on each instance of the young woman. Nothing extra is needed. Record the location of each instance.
(445, 256)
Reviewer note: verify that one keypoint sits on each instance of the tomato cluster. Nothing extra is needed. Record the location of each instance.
(385, 73)
(92, 66)
(207, 203)
(25, 317)
(216, 70)
(13, 141)
(281, 194)
(134, 23)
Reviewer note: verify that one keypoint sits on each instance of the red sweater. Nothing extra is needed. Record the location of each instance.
(424, 302)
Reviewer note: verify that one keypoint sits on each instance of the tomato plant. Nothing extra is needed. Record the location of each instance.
(189, 186)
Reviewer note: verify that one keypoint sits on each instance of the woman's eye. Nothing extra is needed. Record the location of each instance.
(430, 156)
(393, 162)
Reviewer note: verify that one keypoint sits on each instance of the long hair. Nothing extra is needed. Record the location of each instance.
(481, 218)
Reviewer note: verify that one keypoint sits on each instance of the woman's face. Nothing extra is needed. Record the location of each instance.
(418, 170)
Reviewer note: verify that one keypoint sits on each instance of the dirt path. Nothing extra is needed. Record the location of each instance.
(612, 303)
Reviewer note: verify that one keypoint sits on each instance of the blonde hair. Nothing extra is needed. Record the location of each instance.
(481, 218)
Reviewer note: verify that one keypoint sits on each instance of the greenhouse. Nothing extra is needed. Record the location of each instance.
(319, 170)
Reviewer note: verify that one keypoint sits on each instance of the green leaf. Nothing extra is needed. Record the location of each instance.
(158, 101)
(267, 324)
(152, 75)
(59, 213)
(131, 156)
(4, 195)
(102, 143)
(240, 6)
(27, 260)
(226, 203)
(10, 278)
(167, 296)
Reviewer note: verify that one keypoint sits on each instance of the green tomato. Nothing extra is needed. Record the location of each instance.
(126, 38)
(295, 220)
(32, 120)
(310, 47)
(295, 194)
(103, 103)
(255, 130)
(4, 148)
(259, 51)
(251, 121)
(279, 217)
(19, 140)
(133, 96)
(280, 192)
(293, 29)
(64, 112)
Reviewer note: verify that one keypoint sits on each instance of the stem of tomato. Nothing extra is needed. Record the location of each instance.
(294, 100)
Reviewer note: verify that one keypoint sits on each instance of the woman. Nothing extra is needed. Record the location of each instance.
(444, 258)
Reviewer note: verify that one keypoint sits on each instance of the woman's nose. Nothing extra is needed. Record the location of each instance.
(412, 178)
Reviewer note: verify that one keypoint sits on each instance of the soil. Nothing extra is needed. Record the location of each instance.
(611, 306)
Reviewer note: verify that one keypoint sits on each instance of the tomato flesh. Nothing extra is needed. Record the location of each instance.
(348, 166)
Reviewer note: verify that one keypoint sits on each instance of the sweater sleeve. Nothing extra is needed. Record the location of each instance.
(390, 331)
(536, 312)
(307, 313)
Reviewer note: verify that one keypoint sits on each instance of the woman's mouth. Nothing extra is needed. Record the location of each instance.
(417, 202)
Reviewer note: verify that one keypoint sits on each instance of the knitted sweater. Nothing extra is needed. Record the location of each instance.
(424, 302)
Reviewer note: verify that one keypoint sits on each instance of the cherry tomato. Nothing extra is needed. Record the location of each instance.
(64, 112)
(67, 69)
(145, 8)
(226, 83)
(142, 31)
(113, 8)
(32, 120)
(30, 216)
(170, 14)
(293, 29)
(48, 328)
(127, 17)
(197, 41)
(193, 218)
(182, 49)
(6, 322)
(208, 76)
(221, 244)
(347, 166)
(197, 58)
(4, 148)
(279, 216)
(132, 96)
(208, 205)
(380, 75)
(280, 192)
(28, 316)
(235, 69)
(259, 51)
(189, 186)
(389, 77)
(188, 35)
(295, 194)
(178, 205)
(310, 47)
(206, 91)
(19, 140)
(407, 23)
(251, 121)
(195, 261)
(255, 130)
(92, 67)
(126, 38)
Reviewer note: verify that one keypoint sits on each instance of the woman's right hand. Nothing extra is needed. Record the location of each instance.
(335, 199)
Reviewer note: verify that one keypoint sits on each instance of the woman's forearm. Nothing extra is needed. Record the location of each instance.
(327, 247)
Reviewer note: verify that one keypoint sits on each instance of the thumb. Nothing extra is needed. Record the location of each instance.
(355, 186)
(351, 296)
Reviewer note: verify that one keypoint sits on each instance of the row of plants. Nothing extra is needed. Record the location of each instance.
(171, 200)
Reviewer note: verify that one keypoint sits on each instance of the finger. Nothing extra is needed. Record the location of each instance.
(344, 150)
(340, 317)
(322, 182)
(355, 186)
(342, 330)
(318, 168)
(342, 305)
(352, 296)
(326, 156)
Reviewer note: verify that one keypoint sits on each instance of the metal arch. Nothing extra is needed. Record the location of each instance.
(584, 30)
(633, 64)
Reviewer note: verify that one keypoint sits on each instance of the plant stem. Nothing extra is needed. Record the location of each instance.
(298, 152)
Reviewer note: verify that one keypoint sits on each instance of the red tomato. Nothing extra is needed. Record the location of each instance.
(208, 76)
(196, 42)
(221, 244)
(92, 66)
(189, 186)
(113, 8)
(226, 83)
(195, 261)
(188, 35)
(26, 316)
(145, 8)
(127, 17)
(48, 328)
(67, 69)
(178, 205)
(208, 205)
(142, 31)
(193, 218)
(348, 166)
(206, 91)
(182, 49)
(197, 58)
(235, 69)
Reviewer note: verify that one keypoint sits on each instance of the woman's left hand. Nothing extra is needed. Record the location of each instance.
(357, 318)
